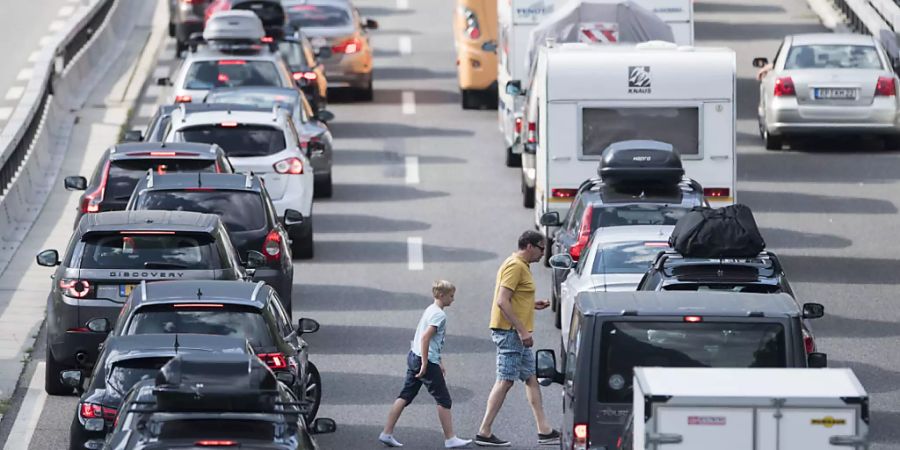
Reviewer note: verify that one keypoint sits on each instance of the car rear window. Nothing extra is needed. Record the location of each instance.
(629, 257)
(833, 57)
(222, 320)
(750, 288)
(238, 141)
(127, 373)
(313, 16)
(205, 75)
(124, 174)
(239, 210)
(626, 345)
(624, 215)
(217, 429)
(254, 98)
(192, 251)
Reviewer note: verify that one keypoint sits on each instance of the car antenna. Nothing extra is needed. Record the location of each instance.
(199, 184)
(176, 343)
(199, 294)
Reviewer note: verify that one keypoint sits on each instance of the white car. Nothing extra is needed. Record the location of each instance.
(264, 142)
(616, 260)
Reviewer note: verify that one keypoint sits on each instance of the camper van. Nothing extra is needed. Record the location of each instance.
(585, 97)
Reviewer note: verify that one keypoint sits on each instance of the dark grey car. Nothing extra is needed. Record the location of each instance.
(185, 18)
(108, 255)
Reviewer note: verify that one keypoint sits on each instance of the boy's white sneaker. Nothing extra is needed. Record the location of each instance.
(388, 439)
(456, 442)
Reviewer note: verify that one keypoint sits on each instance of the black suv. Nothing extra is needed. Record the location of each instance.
(156, 128)
(122, 165)
(251, 311)
(124, 361)
(244, 207)
(613, 332)
(225, 400)
(108, 255)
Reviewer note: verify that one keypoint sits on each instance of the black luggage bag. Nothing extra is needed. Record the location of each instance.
(728, 232)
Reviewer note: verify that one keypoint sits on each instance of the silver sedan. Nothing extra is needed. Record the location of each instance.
(827, 84)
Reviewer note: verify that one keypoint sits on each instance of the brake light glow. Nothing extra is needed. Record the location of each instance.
(75, 288)
(563, 193)
(219, 443)
(197, 305)
(584, 234)
(518, 125)
(272, 246)
(808, 342)
(310, 76)
(581, 436)
(532, 132)
(886, 87)
(290, 166)
(183, 99)
(162, 153)
(267, 39)
(228, 124)
(693, 319)
(717, 192)
(273, 360)
(90, 203)
(95, 411)
(349, 46)
(232, 62)
(784, 87)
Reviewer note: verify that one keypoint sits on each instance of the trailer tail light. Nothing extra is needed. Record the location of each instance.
(784, 87)
(273, 360)
(886, 87)
(290, 166)
(584, 234)
(532, 132)
(76, 288)
(95, 411)
(518, 125)
(693, 319)
(715, 193)
(349, 47)
(472, 28)
(808, 342)
(309, 76)
(183, 99)
(272, 246)
(563, 193)
(580, 433)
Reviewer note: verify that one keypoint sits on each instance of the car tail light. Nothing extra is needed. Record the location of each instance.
(784, 87)
(309, 76)
(349, 46)
(518, 125)
(693, 319)
(717, 192)
(584, 234)
(232, 62)
(273, 360)
(808, 342)
(290, 166)
(886, 87)
(76, 288)
(183, 99)
(231, 124)
(272, 246)
(563, 193)
(580, 433)
(216, 443)
(267, 39)
(90, 202)
(473, 30)
(95, 411)
(532, 132)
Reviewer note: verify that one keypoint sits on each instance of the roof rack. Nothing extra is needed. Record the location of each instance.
(664, 256)
(150, 178)
(143, 289)
(248, 183)
(256, 290)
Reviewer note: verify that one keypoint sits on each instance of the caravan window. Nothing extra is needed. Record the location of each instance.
(603, 126)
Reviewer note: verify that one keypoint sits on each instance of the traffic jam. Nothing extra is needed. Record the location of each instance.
(173, 313)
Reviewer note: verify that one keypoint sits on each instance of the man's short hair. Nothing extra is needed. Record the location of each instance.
(442, 287)
(530, 237)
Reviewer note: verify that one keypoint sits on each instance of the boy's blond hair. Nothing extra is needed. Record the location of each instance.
(442, 287)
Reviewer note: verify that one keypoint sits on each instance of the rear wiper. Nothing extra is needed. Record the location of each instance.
(122, 197)
(163, 265)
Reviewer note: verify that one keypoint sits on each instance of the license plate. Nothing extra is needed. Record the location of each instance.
(839, 93)
(125, 290)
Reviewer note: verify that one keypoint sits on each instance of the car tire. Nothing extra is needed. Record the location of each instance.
(366, 94)
(773, 142)
(52, 383)
(180, 47)
(554, 299)
(892, 143)
(312, 391)
(324, 187)
(513, 159)
(171, 30)
(557, 317)
(302, 245)
(527, 195)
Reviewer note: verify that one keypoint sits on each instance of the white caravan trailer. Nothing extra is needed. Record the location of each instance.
(585, 97)
(748, 409)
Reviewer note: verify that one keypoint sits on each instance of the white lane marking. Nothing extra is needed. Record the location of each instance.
(57, 25)
(30, 412)
(414, 253)
(65, 11)
(412, 170)
(405, 45)
(408, 99)
(45, 41)
(402, 4)
(5, 112)
(25, 75)
(15, 92)
(160, 72)
(33, 57)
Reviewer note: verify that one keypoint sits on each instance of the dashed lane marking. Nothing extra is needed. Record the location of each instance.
(65, 11)
(412, 170)
(15, 92)
(405, 45)
(57, 25)
(45, 41)
(414, 253)
(33, 57)
(402, 4)
(408, 101)
(30, 413)
(25, 75)
(5, 112)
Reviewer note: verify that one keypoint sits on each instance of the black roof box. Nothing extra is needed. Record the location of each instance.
(270, 12)
(213, 382)
(639, 163)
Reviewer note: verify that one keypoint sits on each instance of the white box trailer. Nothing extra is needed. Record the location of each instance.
(585, 97)
(749, 409)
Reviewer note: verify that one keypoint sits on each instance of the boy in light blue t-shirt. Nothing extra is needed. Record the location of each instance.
(424, 366)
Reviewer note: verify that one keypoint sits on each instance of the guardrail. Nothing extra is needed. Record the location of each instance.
(880, 18)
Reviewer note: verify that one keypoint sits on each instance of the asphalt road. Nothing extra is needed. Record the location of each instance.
(829, 208)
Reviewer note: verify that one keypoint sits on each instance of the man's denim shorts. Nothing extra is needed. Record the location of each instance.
(514, 360)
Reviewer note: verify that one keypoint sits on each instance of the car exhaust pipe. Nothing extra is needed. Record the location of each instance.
(80, 357)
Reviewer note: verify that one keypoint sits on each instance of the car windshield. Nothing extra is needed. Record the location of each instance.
(624, 215)
(256, 99)
(127, 373)
(205, 75)
(628, 257)
(833, 57)
(238, 141)
(751, 288)
(239, 210)
(149, 250)
(626, 345)
(124, 174)
(223, 320)
(303, 16)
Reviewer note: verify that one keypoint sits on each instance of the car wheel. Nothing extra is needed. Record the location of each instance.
(312, 391)
(557, 317)
(513, 159)
(180, 47)
(490, 98)
(323, 187)
(892, 143)
(469, 99)
(772, 142)
(171, 30)
(527, 194)
(366, 94)
(302, 245)
(52, 383)
(554, 299)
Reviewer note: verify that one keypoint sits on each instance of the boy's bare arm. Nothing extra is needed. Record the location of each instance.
(426, 340)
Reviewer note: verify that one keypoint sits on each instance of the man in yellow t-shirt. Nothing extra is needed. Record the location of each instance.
(512, 322)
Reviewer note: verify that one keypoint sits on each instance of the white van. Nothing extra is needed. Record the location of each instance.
(585, 97)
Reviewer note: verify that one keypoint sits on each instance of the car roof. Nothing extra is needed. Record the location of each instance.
(210, 291)
(832, 38)
(206, 53)
(629, 233)
(145, 150)
(678, 303)
(148, 221)
(257, 89)
(187, 180)
(120, 348)
(215, 113)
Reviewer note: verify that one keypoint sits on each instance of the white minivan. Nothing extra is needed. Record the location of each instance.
(585, 97)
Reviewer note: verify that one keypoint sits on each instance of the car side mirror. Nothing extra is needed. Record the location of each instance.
(370, 24)
(133, 136)
(75, 183)
(545, 362)
(514, 87)
(307, 326)
(292, 217)
(759, 63)
(163, 81)
(99, 325)
(48, 258)
(255, 259)
(323, 425)
(817, 360)
(324, 115)
(324, 52)
(530, 148)
(489, 46)
(562, 261)
(551, 219)
(73, 379)
(813, 310)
